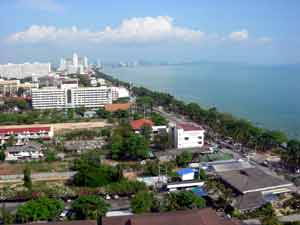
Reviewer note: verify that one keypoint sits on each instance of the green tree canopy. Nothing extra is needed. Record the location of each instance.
(184, 200)
(39, 209)
(89, 207)
(142, 202)
(184, 158)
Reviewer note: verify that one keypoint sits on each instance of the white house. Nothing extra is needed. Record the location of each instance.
(188, 135)
(186, 174)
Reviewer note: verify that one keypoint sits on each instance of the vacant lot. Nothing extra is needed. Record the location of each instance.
(17, 168)
(59, 127)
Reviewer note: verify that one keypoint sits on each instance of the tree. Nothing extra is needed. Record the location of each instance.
(202, 174)
(184, 158)
(146, 131)
(162, 140)
(142, 202)
(126, 187)
(158, 119)
(40, 209)
(116, 146)
(2, 155)
(92, 174)
(50, 156)
(137, 147)
(184, 200)
(27, 178)
(89, 207)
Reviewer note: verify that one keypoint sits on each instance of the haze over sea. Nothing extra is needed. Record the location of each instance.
(268, 96)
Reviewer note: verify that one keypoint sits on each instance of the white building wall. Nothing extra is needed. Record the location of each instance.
(89, 97)
(189, 139)
(20, 71)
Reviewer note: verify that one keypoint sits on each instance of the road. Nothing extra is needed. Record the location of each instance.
(180, 119)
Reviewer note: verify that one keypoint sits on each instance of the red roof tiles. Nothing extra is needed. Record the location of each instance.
(24, 130)
(137, 124)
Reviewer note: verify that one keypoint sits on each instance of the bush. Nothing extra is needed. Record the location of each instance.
(126, 187)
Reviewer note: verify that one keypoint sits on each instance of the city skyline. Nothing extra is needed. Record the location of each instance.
(263, 32)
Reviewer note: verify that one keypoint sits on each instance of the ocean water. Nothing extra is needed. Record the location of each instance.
(268, 96)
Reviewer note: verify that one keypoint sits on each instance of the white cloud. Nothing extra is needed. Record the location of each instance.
(241, 35)
(144, 29)
(264, 40)
(43, 5)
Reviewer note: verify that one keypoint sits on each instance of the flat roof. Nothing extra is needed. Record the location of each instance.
(189, 126)
(252, 180)
(237, 165)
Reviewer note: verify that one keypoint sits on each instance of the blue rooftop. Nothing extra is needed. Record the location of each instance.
(184, 171)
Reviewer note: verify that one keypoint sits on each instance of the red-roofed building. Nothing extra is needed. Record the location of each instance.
(188, 135)
(136, 125)
(26, 133)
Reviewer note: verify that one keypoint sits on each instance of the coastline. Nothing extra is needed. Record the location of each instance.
(260, 94)
(250, 135)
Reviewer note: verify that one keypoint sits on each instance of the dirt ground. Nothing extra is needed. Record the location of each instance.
(58, 127)
(17, 168)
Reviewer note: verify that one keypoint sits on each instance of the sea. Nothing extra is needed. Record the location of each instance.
(266, 95)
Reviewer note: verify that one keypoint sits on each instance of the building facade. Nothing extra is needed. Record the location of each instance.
(188, 136)
(88, 97)
(20, 71)
(26, 133)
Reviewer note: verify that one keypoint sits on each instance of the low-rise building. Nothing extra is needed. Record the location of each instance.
(26, 133)
(186, 174)
(83, 145)
(29, 151)
(188, 135)
(252, 186)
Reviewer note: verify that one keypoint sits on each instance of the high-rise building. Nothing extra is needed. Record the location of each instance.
(88, 97)
(74, 65)
(20, 71)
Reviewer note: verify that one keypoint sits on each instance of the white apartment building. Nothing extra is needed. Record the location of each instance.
(88, 97)
(188, 135)
(20, 71)
(119, 92)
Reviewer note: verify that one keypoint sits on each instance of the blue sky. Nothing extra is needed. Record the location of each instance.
(253, 31)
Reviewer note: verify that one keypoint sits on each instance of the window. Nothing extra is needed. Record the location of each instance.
(200, 142)
(186, 138)
(200, 137)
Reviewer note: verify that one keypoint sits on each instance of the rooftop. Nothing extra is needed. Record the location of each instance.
(189, 126)
(25, 148)
(236, 165)
(24, 130)
(184, 171)
(252, 180)
(137, 124)
(190, 217)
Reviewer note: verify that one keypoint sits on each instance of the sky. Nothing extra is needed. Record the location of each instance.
(250, 31)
